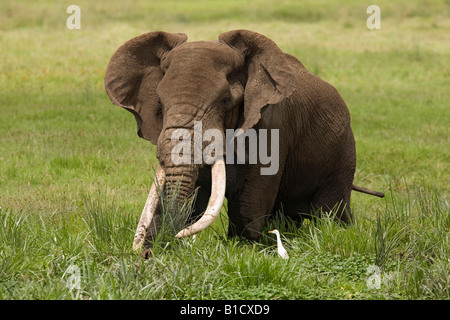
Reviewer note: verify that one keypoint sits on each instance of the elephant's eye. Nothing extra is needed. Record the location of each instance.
(226, 101)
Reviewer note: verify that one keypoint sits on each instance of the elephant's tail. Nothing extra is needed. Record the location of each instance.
(368, 191)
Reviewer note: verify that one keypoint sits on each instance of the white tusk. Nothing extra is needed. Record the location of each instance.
(149, 209)
(218, 177)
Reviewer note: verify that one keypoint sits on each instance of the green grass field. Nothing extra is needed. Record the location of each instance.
(74, 175)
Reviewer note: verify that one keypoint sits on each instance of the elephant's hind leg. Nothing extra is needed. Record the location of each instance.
(334, 196)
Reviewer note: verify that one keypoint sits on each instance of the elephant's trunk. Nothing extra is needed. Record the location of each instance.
(181, 180)
(180, 184)
(218, 176)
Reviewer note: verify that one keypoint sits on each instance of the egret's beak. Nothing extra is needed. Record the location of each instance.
(270, 232)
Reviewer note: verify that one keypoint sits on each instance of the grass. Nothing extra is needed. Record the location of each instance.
(74, 175)
(327, 261)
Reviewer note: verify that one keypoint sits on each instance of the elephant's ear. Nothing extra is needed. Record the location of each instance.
(133, 74)
(270, 78)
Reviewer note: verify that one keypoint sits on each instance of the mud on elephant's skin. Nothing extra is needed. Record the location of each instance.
(243, 81)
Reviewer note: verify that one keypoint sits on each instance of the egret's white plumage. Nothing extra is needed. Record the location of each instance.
(281, 250)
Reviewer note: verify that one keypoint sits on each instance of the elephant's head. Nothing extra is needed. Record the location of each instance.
(168, 84)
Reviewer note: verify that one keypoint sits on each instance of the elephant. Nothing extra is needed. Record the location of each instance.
(243, 81)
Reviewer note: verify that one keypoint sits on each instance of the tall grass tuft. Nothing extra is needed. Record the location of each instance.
(174, 217)
(111, 230)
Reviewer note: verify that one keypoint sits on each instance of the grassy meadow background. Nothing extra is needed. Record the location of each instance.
(74, 175)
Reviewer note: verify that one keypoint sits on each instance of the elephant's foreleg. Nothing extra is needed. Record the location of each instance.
(201, 202)
(203, 190)
(252, 204)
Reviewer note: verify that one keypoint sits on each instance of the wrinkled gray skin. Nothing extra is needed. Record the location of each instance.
(243, 80)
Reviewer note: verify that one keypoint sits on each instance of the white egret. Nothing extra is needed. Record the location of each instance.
(281, 250)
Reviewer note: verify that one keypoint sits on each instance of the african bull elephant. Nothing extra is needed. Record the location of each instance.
(243, 82)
